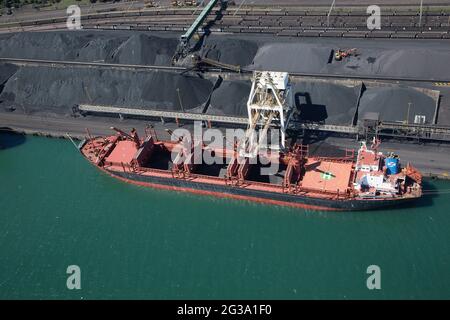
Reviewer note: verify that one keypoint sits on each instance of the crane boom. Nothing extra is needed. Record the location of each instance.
(198, 22)
(183, 47)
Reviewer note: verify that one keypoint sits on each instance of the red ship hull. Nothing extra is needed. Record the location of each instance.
(119, 161)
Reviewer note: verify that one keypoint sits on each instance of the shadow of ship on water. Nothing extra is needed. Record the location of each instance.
(10, 139)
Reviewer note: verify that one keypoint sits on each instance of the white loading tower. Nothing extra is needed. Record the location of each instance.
(270, 104)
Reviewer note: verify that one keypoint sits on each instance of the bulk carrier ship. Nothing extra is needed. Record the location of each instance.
(362, 181)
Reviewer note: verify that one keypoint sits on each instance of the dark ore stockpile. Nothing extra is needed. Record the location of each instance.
(325, 102)
(392, 104)
(318, 101)
(230, 99)
(6, 71)
(421, 63)
(299, 56)
(400, 58)
(144, 49)
(230, 51)
(78, 46)
(57, 90)
(291, 56)
(117, 47)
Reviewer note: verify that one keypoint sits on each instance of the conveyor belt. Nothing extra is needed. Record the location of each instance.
(245, 73)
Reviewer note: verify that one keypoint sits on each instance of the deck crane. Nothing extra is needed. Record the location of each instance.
(183, 48)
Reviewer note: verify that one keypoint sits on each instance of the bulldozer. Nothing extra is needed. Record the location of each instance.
(185, 3)
(340, 54)
(149, 3)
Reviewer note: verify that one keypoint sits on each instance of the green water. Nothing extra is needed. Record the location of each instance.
(58, 210)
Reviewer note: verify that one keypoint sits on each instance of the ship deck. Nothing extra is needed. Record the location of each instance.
(322, 178)
(123, 152)
(328, 176)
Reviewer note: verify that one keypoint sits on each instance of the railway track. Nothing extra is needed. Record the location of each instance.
(244, 74)
(282, 22)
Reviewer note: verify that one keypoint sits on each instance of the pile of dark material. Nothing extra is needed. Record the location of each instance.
(231, 51)
(292, 57)
(422, 63)
(6, 71)
(310, 55)
(144, 49)
(57, 90)
(317, 101)
(230, 99)
(79, 46)
(391, 103)
(325, 102)
(125, 48)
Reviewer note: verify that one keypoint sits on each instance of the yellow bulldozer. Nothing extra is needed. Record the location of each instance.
(185, 3)
(341, 54)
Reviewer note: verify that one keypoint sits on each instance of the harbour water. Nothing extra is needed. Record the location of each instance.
(130, 242)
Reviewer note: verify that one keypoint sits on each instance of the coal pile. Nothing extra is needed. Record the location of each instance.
(412, 63)
(292, 57)
(392, 104)
(230, 99)
(374, 57)
(121, 47)
(317, 101)
(423, 63)
(6, 71)
(325, 102)
(230, 51)
(77, 46)
(405, 59)
(171, 91)
(57, 90)
(98, 49)
(144, 49)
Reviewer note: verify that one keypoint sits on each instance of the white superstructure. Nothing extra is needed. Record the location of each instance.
(270, 104)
